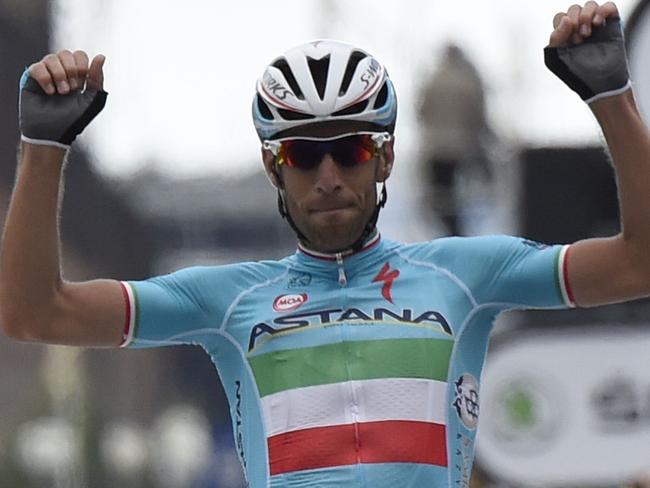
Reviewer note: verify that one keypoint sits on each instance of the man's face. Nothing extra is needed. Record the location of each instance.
(331, 203)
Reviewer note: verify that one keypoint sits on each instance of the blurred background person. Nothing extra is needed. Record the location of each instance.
(455, 136)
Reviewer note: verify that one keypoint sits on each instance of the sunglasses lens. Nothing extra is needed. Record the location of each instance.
(347, 151)
(302, 154)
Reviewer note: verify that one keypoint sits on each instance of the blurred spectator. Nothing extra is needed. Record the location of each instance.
(455, 134)
(642, 481)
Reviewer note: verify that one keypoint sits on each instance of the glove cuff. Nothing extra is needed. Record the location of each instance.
(55, 120)
(44, 142)
(610, 93)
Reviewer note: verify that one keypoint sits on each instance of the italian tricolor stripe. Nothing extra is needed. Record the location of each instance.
(563, 276)
(398, 441)
(381, 401)
(334, 363)
(415, 400)
(129, 314)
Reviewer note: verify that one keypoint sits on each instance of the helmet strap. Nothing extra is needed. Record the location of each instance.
(282, 207)
(372, 223)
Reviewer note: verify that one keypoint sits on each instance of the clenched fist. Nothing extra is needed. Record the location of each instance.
(587, 51)
(59, 96)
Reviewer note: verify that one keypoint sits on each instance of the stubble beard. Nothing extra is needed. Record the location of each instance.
(332, 236)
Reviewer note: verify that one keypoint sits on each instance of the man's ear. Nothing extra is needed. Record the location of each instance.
(386, 158)
(268, 159)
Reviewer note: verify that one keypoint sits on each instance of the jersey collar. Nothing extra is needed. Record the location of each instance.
(371, 242)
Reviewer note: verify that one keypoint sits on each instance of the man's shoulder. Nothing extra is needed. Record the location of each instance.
(250, 271)
(463, 251)
(458, 243)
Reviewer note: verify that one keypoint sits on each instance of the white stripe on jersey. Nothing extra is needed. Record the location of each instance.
(373, 400)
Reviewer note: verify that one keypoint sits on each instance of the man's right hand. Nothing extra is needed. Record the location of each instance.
(59, 96)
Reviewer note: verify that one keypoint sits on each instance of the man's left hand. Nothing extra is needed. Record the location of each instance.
(587, 51)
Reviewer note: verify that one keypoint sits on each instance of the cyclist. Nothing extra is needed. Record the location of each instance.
(356, 361)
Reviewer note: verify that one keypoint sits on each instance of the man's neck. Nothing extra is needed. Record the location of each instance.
(369, 241)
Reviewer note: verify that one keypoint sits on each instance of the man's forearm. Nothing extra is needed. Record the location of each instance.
(629, 145)
(29, 256)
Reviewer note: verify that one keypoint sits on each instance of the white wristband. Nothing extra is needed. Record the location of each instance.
(42, 142)
(610, 93)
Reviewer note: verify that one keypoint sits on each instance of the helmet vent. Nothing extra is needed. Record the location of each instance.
(264, 108)
(318, 69)
(291, 115)
(357, 108)
(283, 66)
(382, 96)
(353, 61)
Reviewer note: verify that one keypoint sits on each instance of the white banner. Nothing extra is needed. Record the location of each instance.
(567, 407)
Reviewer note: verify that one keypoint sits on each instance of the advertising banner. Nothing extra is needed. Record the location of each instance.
(567, 406)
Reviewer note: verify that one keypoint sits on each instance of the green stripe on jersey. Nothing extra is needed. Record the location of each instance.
(358, 360)
(558, 275)
(136, 311)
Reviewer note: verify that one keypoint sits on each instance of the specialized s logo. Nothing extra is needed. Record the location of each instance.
(387, 276)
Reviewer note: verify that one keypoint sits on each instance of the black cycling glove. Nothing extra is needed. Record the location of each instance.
(595, 69)
(55, 120)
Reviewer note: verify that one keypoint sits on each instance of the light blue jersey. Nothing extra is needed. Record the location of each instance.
(361, 371)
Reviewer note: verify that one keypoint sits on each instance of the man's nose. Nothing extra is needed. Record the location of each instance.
(328, 176)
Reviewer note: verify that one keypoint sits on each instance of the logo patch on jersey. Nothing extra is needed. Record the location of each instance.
(317, 318)
(387, 276)
(466, 400)
(535, 244)
(299, 280)
(286, 303)
(463, 460)
(239, 436)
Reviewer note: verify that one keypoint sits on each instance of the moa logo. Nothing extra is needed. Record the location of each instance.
(286, 303)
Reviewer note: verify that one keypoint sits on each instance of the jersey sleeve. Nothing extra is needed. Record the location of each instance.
(171, 309)
(513, 271)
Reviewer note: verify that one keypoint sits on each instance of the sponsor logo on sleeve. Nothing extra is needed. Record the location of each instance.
(464, 453)
(535, 244)
(239, 436)
(466, 400)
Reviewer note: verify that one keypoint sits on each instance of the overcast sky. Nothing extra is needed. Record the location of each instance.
(181, 74)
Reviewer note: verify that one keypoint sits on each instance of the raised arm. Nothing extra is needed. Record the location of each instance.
(59, 98)
(611, 269)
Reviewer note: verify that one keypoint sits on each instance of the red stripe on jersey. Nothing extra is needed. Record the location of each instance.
(127, 315)
(565, 273)
(389, 441)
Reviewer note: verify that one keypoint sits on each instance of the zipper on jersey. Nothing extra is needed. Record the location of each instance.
(339, 261)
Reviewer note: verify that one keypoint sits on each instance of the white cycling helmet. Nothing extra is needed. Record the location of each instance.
(320, 82)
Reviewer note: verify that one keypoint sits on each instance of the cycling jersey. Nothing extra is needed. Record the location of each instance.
(357, 371)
